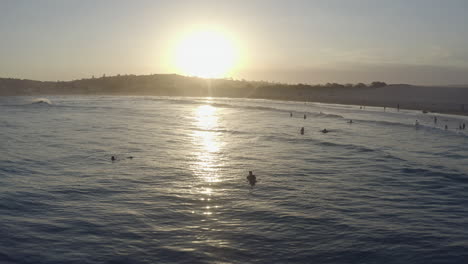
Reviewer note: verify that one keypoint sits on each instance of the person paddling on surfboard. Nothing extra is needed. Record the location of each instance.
(252, 178)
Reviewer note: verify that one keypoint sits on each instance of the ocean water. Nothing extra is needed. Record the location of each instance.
(379, 190)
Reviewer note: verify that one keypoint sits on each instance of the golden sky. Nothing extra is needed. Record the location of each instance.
(419, 41)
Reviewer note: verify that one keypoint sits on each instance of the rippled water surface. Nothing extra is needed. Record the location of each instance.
(379, 190)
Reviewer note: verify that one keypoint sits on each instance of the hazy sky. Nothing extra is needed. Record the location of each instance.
(312, 41)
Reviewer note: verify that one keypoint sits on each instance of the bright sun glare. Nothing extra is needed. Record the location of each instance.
(207, 54)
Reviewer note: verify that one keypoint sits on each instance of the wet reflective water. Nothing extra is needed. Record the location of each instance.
(379, 190)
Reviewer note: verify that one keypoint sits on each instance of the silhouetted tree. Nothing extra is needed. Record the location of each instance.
(378, 84)
(360, 85)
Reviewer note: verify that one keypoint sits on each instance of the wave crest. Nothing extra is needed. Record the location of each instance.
(41, 101)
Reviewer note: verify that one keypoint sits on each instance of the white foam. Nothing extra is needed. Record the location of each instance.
(41, 101)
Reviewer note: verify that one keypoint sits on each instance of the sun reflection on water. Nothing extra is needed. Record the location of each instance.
(208, 143)
(208, 146)
(206, 116)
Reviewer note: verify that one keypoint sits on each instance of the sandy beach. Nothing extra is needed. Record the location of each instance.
(449, 100)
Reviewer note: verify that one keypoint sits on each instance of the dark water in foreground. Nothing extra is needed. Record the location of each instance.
(375, 191)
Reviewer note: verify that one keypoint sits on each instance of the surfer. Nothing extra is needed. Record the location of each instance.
(113, 158)
(435, 119)
(302, 131)
(251, 178)
(290, 114)
(305, 117)
(325, 131)
(350, 121)
(446, 127)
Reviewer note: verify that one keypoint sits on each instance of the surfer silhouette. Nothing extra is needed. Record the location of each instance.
(324, 131)
(302, 131)
(113, 158)
(252, 179)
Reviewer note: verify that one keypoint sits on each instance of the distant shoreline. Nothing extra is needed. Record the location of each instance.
(423, 108)
(387, 106)
(368, 104)
(431, 99)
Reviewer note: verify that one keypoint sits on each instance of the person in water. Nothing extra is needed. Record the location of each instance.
(290, 114)
(305, 117)
(350, 121)
(446, 127)
(302, 131)
(113, 158)
(252, 178)
(324, 130)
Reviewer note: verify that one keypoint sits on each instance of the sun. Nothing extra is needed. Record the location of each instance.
(207, 54)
